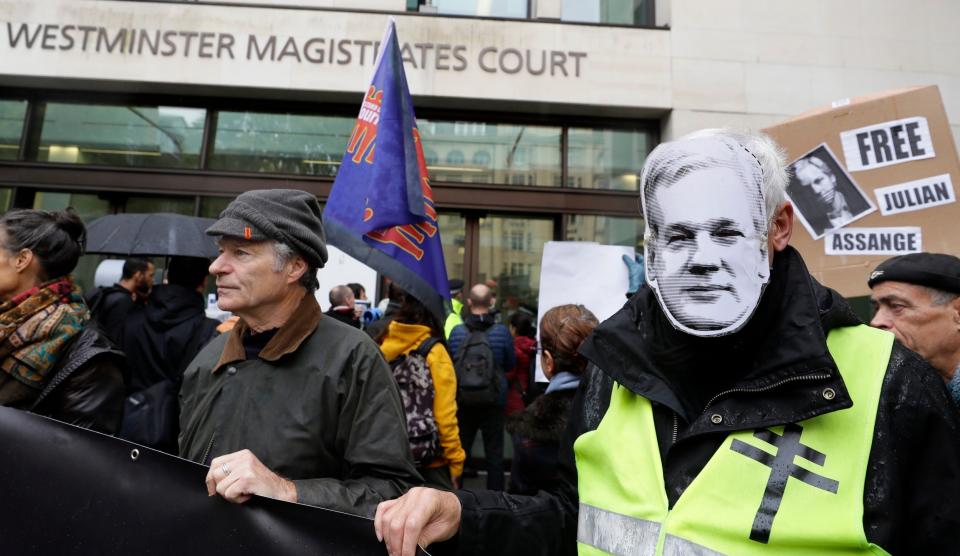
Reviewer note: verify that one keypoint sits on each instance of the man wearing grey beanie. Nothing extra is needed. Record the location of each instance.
(289, 404)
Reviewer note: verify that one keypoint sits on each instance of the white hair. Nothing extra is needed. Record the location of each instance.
(770, 155)
(282, 253)
(940, 298)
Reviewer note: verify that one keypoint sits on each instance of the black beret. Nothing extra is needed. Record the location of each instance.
(289, 216)
(933, 270)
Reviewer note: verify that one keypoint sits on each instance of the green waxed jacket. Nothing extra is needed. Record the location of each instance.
(318, 406)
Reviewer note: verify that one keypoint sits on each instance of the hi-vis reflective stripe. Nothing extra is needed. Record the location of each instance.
(623, 535)
(616, 533)
(675, 546)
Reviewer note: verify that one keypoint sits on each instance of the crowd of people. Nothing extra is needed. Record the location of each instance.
(733, 405)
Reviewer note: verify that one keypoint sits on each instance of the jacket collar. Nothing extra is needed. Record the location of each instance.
(786, 343)
(288, 338)
(402, 338)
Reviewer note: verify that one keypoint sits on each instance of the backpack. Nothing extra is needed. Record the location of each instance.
(151, 416)
(478, 378)
(98, 298)
(412, 375)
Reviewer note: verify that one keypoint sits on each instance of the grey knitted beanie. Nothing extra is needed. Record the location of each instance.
(289, 216)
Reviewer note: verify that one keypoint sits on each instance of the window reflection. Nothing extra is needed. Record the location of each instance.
(148, 136)
(211, 207)
(606, 230)
(453, 236)
(621, 12)
(479, 152)
(510, 253)
(280, 143)
(495, 8)
(12, 115)
(142, 204)
(606, 158)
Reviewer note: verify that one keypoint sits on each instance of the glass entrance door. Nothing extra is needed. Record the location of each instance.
(510, 252)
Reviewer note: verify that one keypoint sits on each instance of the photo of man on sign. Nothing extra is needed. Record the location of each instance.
(824, 195)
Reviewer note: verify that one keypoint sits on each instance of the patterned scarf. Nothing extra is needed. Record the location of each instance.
(35, 328)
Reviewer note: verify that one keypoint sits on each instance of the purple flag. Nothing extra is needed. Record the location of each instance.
(381, 208)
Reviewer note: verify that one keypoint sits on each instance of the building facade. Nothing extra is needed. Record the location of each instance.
(536, 114)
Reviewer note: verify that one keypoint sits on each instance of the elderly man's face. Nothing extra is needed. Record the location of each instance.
(246, 275)
(709, 261)
(908, 311)
(823, 184)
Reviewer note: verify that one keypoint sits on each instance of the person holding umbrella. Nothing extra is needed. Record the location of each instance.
(53, 359)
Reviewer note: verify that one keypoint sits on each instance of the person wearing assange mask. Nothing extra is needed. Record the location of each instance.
(733, 406)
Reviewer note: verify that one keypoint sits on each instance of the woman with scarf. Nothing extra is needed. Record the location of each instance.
(53, 359)
(538, 430)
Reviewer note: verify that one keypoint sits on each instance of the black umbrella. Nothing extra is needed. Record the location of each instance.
(157, 234)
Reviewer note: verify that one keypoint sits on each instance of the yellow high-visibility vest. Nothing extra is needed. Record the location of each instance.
(789, 490)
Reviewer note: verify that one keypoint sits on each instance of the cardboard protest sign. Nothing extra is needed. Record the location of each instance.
(893, 150)
(583, 272)
(68, 490)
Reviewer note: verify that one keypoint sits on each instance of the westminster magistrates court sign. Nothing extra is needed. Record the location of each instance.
(229, 46)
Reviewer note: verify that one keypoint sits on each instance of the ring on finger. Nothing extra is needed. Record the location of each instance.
(224, 469)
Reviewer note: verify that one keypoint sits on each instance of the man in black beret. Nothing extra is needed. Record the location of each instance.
(289, 404)
(917, 297)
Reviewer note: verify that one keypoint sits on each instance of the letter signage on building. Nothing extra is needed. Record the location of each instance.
(261, 47)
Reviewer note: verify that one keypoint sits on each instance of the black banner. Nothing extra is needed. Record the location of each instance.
(67, 490)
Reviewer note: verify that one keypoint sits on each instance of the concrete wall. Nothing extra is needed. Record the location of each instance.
(751, 63)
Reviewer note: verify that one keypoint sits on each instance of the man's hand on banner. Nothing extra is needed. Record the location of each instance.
(240, 475)
(422, 517)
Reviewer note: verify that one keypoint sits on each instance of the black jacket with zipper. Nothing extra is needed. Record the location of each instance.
(86, 386)
(774, 371)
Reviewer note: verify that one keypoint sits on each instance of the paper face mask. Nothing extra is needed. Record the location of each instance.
(705, 241)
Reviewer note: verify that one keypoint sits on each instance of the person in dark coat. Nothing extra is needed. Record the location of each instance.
(54, 361)
(160, 339)
(110, 305)
(343, 306)
(765, 381)
(489, 420)
(538, 430)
